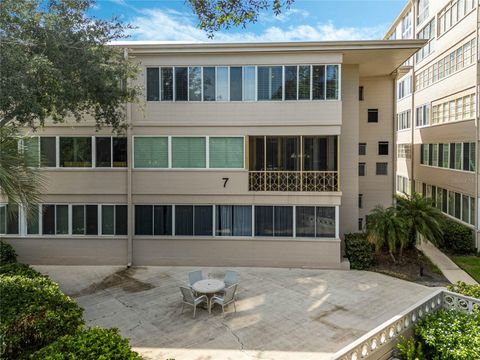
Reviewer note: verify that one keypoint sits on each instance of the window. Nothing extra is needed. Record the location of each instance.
(48, 152)
(362, 149)
(75, 152)
(269, 83)
(315, 221)
(403, 120)
(423, 116)
(167, 83)
(9, 220)
(453, 13)
(407, 26)
(226, 152)
(304, 82)
(404, 87)
(188, 152)
(153, 84)
(195, 83)
(422, 10)
(232, 220)
(403, 185)
(280, 153)
(361, 93)
(55, 219)
(236, 88)
(427, 33)
(193, 220)
(319, 153)
(114, 219)
(373, 115)
(274, 221)
(360, 201)
(150, 152)
(434, 155)
(332, 82)
(360, 224)
(181, 84)
(111, 152)
(153, 220)
(318, 82)
(209, 84)
(383, 148)
(31, 151)
(361, 169)
(458, 156)
(404, 151)
(290, 83)
(381, 168)
(222, 83)
(84, 219)
(249, 76)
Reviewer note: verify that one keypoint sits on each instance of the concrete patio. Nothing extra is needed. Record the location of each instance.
(281, 313)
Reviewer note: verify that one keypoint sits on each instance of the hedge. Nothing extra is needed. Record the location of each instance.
(457, 238)
(89, 344)
(359, 251)
(464, 289)
(19, 269)
(7, 254)
(34, 313)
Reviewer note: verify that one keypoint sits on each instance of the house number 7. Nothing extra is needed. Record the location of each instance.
(225, 181)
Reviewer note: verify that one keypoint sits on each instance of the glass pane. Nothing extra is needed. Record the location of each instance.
(304, 82)
(466, 156)
(256, 153)
(78, 219)
(150, 152)
(203, 220)
(61, 219)
(325, 221)
(143, 220)
(263, 220)
(108, 220)
(31, 151)
(120, 152)
(290, 83)
(75, 151)
(242, 220)
(458, 205)
(472, 162)
(153, 84)
(183, 220)
(103, 149)
(33, 226)
(332, 82)
(48, 152)
(236, 83)
(283, 153)
(195, 83)
(181, 84)
(12, 219)
(162, 224)
(222, 83)
(318, 82)
(269, 84)
(320, 153)
(121, 224)
(458, 156)
(249, 83)
(305, 221)
(465, 208)
(283, 221)
(91, 219)
(167, 84)
(209, 84)
(226, 152)
(188, 152)
(48, 219)
(224, 220)
(472, 211)
(3, 219)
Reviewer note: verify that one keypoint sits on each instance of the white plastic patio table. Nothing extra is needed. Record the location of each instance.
(208, 287)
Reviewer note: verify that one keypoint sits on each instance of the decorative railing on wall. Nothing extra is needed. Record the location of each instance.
(293, 181)
(381, 341)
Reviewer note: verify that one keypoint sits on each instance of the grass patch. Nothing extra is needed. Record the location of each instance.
(471, 264)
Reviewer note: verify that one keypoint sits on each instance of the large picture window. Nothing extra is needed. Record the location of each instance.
(75, 152)
(226, 152)
(269, 86)
(188, 152)
(150, 152)
(193, 220)
(55, 219)
(315, 221)
(84, 219)
(233, 220)
(111, 152)
(153, 219)
(114, 219)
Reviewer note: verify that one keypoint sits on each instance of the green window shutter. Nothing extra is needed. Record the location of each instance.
(151, 152)
(188, 152)
(226, 152)
(32, 151)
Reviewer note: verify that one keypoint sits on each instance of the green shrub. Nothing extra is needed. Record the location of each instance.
(457, 238)
(19, 269)
(90, 344)
(359, 251)
(7, 253)
(452, 335)
(409, 349)
(34, 313)
(464, 289)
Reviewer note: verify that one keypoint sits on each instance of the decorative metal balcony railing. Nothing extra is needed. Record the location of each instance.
(381, 341)
(293, 181)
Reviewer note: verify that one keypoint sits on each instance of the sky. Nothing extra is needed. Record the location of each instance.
(306, 20)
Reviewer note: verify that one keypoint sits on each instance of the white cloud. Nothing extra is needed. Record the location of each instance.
(170, 25)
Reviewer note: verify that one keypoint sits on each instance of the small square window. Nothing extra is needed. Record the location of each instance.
(361, 169)
(383, 148)
(382, 168)
(373, 115)
(362, 148)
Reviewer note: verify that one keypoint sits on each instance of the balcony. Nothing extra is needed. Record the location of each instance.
(293, 181)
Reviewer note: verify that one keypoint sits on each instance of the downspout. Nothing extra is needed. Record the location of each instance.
(477, 240)
(129, 179)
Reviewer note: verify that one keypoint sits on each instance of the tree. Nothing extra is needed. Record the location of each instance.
(386, 226)
(56, 63)
(421, 217)
(214, 15)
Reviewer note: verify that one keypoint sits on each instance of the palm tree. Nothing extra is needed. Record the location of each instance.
(20, 183)
(421, 217)
(385, 226)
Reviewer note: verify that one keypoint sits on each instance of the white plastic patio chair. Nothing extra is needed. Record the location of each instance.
(194, 276)
(190, 299)
(231, 278)
(225, 300)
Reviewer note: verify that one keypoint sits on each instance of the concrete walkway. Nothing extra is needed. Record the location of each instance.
(448, 268)
(282, 314)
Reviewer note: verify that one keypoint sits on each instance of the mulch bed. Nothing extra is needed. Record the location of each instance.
(409, 268)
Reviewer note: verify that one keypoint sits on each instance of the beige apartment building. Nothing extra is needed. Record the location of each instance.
(260, 154)
(436, 96)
